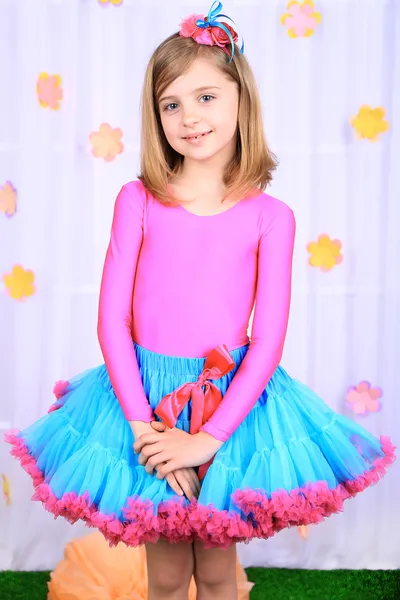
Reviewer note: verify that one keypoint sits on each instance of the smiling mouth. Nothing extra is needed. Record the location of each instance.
(196, 137)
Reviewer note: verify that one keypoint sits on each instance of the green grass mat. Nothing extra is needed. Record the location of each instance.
(271, 584)
(297, 584)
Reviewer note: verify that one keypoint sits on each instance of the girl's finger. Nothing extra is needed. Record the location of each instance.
(195, 482)
(155, 461)
(185, 482)
(146, 438)
(164, 470)
(145, 457)
(171, 479)
(149, 451)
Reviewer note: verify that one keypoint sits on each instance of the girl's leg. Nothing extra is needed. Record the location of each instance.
(169, 570)
(215, 572)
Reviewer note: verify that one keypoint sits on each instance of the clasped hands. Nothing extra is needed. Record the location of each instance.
(173, 453)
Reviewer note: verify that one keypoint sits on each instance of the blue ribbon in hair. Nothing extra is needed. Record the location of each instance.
(211, 21)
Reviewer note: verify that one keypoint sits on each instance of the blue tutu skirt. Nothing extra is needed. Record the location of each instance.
(292, 461)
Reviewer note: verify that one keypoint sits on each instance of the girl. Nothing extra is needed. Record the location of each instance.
(191, 437)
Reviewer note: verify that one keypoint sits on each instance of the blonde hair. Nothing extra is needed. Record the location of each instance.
(251, 166)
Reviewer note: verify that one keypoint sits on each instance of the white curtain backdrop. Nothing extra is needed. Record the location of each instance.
(344, 325)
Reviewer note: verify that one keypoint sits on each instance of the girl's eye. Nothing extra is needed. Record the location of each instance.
(166, 108)
(207, 96)
(172, 105)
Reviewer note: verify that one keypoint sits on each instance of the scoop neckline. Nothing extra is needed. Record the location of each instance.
(209, 216)
(220, 213)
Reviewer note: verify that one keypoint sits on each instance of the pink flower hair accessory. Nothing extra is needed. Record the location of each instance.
(210, 31)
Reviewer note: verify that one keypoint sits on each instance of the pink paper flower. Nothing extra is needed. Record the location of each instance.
(301, 18)
(110, 2)
(49, 91)
(363, 399)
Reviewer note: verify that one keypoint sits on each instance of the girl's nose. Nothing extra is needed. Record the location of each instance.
(190, 119)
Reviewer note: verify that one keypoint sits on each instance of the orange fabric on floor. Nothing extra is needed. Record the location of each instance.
(91, 570)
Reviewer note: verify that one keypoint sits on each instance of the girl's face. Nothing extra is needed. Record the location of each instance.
(199, 113)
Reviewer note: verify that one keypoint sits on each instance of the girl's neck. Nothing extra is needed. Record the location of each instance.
(199, 179)
(195, 189)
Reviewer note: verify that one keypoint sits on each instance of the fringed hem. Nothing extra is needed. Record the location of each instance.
(178, 520)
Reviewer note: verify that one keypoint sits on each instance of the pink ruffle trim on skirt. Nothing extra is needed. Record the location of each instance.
(59, 390)
(179, 521)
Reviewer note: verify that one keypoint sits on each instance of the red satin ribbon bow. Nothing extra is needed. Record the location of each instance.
(218, 363)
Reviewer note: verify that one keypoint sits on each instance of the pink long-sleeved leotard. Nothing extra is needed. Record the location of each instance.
(181, 284)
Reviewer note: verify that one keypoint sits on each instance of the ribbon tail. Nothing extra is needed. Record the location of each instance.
(204, 468)
(213, 397)
(238, 31)
(212, 400)
(214, 10)
(198, 403)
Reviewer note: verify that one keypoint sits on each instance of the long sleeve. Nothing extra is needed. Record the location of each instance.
(115, 305)
(272, 303)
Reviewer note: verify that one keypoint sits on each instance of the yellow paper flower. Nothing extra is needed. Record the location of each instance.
(6, 490)
(20, 284)
(113, 2)
(49, 91)
(106, 143)
(8, 199)
(369, 123)
(301, 19)
(325, 253)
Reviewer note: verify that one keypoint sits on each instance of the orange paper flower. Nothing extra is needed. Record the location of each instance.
(106, 143)
(8, 199)
(302, 529)
(369, 123)
(325, 253)
(20, 283)
(49, 91)
(363, 398)
(301, 19)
